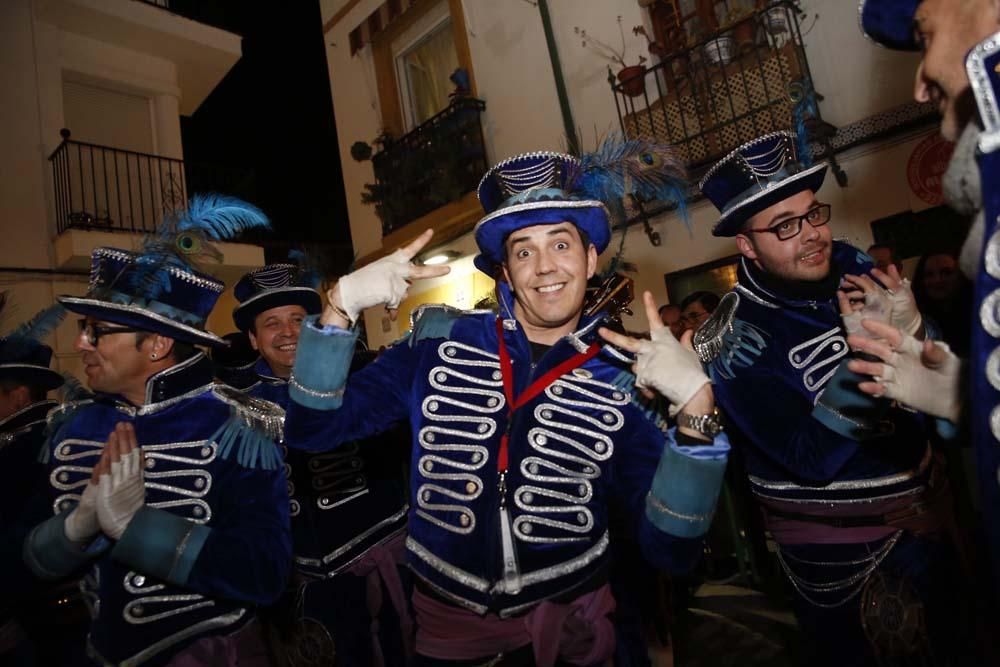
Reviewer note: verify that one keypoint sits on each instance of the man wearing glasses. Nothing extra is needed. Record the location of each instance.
(846, 482)
(167, 485)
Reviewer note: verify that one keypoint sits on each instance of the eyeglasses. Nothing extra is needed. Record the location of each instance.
(792, 227)
(93, 332)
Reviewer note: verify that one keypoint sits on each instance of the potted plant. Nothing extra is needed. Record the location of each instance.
(631, 77)
(739, 17)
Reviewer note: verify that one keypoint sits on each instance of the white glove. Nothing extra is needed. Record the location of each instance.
(877, 306)
(670, 368)
(384, 281)
(121, 494)
(81, 524)
(905, 314)
(928, 385)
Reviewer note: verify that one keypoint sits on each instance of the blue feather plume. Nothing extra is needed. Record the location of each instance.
(805, 109)
(186, 240)
(26, 336)
(621, 168)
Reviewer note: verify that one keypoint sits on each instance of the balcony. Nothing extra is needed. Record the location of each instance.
(435, 164)
(714, 90)
(101, 193)
(184, 32)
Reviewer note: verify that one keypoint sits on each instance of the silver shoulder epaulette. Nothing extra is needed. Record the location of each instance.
(708, 339)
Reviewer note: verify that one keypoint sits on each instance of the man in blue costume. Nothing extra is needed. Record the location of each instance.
(958, 72)
(348, 506)
(524, 427)
(168, 484)
(29, 613)
(847, 483)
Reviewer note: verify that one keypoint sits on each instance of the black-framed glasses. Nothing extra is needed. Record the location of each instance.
(792, 227)
(93, 332)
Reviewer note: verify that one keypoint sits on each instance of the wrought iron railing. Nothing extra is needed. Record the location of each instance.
(209, 12)
(109, 189)
(725, 86)
(433, 165)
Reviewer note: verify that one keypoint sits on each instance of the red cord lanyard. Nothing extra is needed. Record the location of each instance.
(534, 389)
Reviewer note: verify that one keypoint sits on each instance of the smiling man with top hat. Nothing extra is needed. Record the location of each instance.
(348, 506)
(524, 427)
(847, 483)
(959, 72)
(169, 485)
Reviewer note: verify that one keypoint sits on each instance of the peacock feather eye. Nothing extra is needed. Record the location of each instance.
(188, 243)
(651, 159)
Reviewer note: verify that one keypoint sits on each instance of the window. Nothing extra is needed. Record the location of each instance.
(425, 57)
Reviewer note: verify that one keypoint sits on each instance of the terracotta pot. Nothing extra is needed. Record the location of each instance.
(633, 80)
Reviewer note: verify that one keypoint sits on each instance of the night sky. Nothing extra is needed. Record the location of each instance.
(267, 132)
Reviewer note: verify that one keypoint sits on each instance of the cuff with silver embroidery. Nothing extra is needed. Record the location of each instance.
(322, 362)
(160, 544)
(685, 489)
(51, 555)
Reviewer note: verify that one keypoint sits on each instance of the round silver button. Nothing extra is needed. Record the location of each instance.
(483, 428)
(991, 255)
(138, 610)
(476, 457)
(526, 528)
(63, 477)
(541, 439)
(557, 390)
(428, 465)
(432, 406)
(527, 497)
(440, 377)
(582, 490)
(138, 581)
(450, 351)
(150, 463)
(471, 487)
(618, 396)
(429, 437)
(426, 496)
(198, 510)
(206, 451)
(600, 447)
(492, 402)
(497, 375)
(581, 518)
(608, 418)
(465, 520)
(66, 450)
(993, 368)
(989, 314)
(547, 414)
(533, 468)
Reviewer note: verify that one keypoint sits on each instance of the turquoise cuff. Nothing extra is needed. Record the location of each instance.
(685, 490)
(845, 409)
(322, 362)
(51, 555)
(160, 544)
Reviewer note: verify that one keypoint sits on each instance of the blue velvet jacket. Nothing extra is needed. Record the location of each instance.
(213, 538)
(344, 501)
(807, 433)
(22, 435)
(574, 447)
(985, 357)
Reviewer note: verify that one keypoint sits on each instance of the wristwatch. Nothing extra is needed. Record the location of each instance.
(709, 425)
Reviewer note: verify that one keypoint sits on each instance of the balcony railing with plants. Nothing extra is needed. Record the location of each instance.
(209, 12)
(722, 79)
(435, 164)
(109, 189)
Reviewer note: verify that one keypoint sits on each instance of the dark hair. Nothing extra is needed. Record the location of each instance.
(893, 258)
(667, 305)
(952, 317)
(35, 392)
(181, 351)
(708, 300)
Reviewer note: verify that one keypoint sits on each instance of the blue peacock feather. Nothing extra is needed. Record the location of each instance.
(27, 335)
(186, 240)
(621, 168)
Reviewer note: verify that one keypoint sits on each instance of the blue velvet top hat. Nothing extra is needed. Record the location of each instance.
(534, 189)
(758, 174)
(889, 23)
(117, 294)
(24, 358)
(272, 286)
(159, 289)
